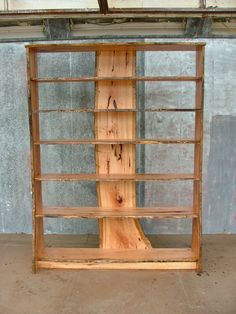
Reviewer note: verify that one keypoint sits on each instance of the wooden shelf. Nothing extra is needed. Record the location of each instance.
(116, 78)
(122, 242)
(98, 258)
(87, 110)
(114, 141)
(132, 46)
(115, 255)
(114, 177)
(99, 212)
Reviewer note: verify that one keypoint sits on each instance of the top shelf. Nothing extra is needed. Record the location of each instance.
(116, 78)
(131, 46)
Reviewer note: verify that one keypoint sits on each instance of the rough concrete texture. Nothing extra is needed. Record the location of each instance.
(123, 292)
(219, 184)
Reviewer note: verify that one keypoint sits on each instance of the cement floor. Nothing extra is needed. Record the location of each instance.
(97, 292)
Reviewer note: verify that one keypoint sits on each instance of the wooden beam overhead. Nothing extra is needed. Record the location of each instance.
(103, 6)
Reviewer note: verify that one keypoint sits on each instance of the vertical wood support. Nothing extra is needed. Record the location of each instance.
(112, 159)
(198, 149)
(37, 229)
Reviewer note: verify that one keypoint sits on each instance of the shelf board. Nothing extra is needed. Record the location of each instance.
(116, 78)
(114, 141)
(88, 110)
(132, 46)
(123, 265)
(98, 212)
(114, 177)
(98, 255)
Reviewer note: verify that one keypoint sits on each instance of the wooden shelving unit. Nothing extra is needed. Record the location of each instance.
(123, 244)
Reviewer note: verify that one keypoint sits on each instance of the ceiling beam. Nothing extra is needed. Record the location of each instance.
(116, 13)
(103, 6)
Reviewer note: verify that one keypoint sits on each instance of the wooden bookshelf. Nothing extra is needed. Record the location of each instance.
(123, 244)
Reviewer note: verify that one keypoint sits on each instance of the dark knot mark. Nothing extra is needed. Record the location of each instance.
(114, 104)
(119, 199)
(117, 153)
(126, 59)
(108, 165)
(108, 102)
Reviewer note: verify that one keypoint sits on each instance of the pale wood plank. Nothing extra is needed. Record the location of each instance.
(86, 110)
(198, 151)
(33, 99)
(115, 141)
(115, 177)
(98, 212)
(116, 266)
(118, 255)
(113, 159)
(118, 46)
(117, 78)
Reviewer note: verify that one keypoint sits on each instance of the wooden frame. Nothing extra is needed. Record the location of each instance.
(115, 213)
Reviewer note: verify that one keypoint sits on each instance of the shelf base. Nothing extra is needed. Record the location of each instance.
(117, 265)
(97, 258)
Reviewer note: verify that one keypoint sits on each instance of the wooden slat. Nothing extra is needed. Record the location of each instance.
(116, 78)
(86, 110)
(34, 125)
(117, 265)
(114, 177)
(118, 46)
(117, 255)
(114, 141)
(198, 151)
(98, 212)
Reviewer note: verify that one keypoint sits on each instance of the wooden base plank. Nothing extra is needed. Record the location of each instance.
(116, 266)
(118, 255)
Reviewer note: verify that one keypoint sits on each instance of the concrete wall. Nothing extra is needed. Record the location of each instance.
(219, 188)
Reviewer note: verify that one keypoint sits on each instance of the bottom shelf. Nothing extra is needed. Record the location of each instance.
(91, 258)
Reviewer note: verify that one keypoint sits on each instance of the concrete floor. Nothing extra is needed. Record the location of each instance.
(97, 292)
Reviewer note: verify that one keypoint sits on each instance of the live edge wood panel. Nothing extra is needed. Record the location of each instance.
(117, 233)
(123, 244)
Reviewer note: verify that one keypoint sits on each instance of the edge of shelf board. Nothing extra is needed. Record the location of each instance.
(118, 266)
(167, 46)
(116, 78)
(117, 255)
(114, 177)
(90, 110)
(98, 212)
(115, 141)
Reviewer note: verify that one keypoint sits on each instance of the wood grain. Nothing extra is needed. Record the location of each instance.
(99, 212)
(33, 102)
(198, 151)
(115, 141)
(117, 78)
(132, 46)
(118, 255)
(96, 265)
(114, 177)
(117, 158)
(88, 110)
